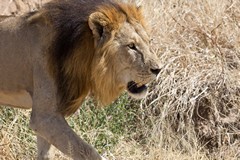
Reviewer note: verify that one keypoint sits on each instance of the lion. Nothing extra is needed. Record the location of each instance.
(53, 58)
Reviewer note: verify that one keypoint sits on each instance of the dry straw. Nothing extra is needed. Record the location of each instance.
(197, 98)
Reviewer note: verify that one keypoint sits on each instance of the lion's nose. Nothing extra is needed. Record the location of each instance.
(155, 71)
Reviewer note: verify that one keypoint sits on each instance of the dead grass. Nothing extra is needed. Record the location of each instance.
(196, 100)
(193, 112)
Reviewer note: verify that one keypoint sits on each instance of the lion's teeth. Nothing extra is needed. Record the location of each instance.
(139, 85)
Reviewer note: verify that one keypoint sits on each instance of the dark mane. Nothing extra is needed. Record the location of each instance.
(70, 22)
(69, 19)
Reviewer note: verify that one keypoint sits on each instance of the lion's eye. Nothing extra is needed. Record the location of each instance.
(132, 46)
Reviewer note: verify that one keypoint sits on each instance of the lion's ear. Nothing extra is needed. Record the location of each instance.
(98, 23)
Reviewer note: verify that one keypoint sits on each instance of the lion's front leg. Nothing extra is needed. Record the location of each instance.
(56, 131)
(48, 123)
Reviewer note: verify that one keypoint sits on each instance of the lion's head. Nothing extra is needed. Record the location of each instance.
(102, 51)
(123, 59)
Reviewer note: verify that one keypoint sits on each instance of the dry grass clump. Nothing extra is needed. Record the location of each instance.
(197, 99)
(16, 141)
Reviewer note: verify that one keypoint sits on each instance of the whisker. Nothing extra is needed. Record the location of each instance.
(131, 86)
(136, 84)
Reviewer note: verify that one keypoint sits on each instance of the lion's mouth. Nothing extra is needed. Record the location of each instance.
(136, 90)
